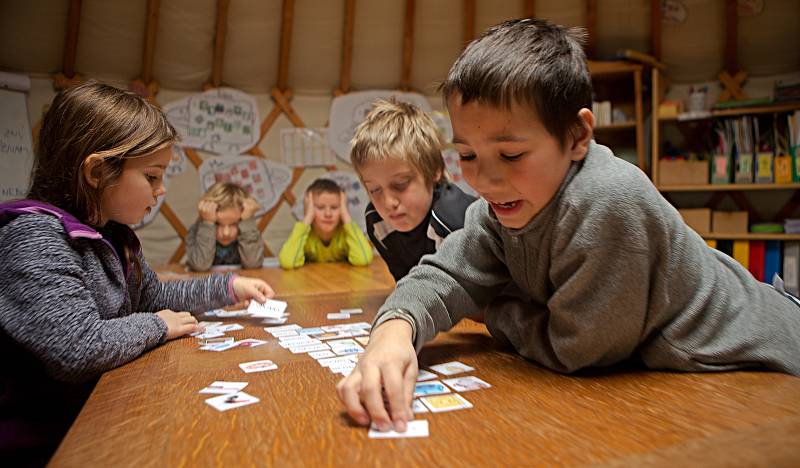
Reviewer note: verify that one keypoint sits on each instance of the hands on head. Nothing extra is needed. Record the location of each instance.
(249, 208)
(343, 212)
(387, 370)
(208, 211)
(308, 208)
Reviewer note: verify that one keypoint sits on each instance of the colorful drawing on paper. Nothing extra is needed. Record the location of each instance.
(349, 110)
(306, 147)
(357, 199)
(264, 180)
(454, 168)
(221, 120)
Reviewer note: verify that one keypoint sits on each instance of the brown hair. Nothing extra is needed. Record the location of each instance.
(87, 119)
(399, 130)
(531, 62)
(226, 195)
(323, 185)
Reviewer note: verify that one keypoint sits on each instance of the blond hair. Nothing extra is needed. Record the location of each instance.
(226, 195)
(399, 130)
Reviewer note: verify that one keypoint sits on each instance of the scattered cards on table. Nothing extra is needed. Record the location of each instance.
(451, 368)
(258, 366)
(448, 402)
(234, 400)
(416, 428)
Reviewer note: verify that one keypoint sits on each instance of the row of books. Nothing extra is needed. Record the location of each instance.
(764, 259)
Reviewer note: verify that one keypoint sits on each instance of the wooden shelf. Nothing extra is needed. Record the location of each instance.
(617, 126)
(750, 236)
(766, 109)
(725, 187)
(612, 67)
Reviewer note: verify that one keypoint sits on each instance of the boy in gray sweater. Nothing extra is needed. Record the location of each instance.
(604, 267)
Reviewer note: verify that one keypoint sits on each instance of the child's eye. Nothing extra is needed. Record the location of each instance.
(467, 157)
(151, 178)
(511, 157)
(375, 190)
(400, 187)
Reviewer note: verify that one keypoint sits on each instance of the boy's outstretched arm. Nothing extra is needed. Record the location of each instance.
(390, 365)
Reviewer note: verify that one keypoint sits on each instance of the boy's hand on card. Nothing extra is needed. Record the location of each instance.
(388, 368)
(249, 208)
(343, 212)
(308, 206)
(208, 211)
(178, 323)
(251, 288)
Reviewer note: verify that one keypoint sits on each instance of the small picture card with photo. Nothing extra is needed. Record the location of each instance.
(234, 400)
(466, 384)
(258, 366)
(451, 368)
(224, 387)
(429, 388)
(449, 402)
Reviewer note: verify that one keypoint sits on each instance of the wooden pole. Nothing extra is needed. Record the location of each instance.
(347, 46)
(731, 37)
(408, 46)
(71, 45)
(655, 29)
(219, 42)
(591, 27)
(151, 26)
(468, 22)
(528, 8)
(286, 44)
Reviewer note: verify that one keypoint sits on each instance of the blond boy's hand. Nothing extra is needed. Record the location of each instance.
(208, 211)
(308, 206)
(389, 364)
(343, 211)
(252, 288)
(249, 208)
(178, 323)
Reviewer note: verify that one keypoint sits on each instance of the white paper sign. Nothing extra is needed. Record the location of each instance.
(349, 110)
(306, 147)
(16, 149)
(221, 120)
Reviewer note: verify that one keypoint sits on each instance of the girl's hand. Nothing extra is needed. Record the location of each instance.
(343, 212)
(208, 211)
(252, 288)
(389, 364)
(249, 208)
(308, 206)
(178, 323)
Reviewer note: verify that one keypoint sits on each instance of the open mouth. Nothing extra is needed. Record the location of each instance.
(505, 208)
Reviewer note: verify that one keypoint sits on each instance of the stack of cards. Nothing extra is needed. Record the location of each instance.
(436, 396)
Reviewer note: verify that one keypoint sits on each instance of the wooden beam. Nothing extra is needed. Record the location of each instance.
(71, 44)
(655, 29)
(528, 8)
(408, 46)
(468, 22)
(731, 37)
(591, 27)
(283, 102)
(347, 46)
(151, 28)
(287, 19)
(219, 42)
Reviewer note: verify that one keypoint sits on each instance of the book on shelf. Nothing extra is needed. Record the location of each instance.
(772, 259)
(756, 262)
(741, 252)
(791, 267)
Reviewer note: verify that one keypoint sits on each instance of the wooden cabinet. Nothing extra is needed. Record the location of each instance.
(620, 83)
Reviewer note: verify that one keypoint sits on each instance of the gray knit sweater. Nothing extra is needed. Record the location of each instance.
(606, 271)
(70, 309)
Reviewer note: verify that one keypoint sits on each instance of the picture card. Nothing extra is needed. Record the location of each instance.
(224, 387)
(416, 428)
(466, 384)
(451, 368)
(234, 400)
(258, 366)
(449, 402)
(429, 388)
(271, 308)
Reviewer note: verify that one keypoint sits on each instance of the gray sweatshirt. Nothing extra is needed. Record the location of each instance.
(203, 250)
(606, 271)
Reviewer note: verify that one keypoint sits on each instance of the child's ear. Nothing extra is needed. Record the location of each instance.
(91, 166)
(437, 177)
(583, 135)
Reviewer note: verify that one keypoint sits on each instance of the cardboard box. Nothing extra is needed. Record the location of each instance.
(679, 172)
(698, 219)
(729, 222)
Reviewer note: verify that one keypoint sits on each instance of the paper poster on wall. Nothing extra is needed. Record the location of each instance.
(221, 120)
(176, 166)
(264, 180)
(349, 110)
(357, 199)
(451, 163)
(306, 147)
(16, 149)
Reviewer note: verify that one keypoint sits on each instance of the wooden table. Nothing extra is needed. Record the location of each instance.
(148, 412)
(311, 279)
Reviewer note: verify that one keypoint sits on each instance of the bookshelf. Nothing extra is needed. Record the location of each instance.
(620, 82)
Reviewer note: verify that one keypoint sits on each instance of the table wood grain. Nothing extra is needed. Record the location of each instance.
(148, 412)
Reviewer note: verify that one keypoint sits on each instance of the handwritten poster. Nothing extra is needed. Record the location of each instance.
(349, 110)
(16, 149)
(264, 180)
(221, 121)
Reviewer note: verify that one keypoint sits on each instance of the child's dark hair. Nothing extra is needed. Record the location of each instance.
(323, 185)
(530, 62)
